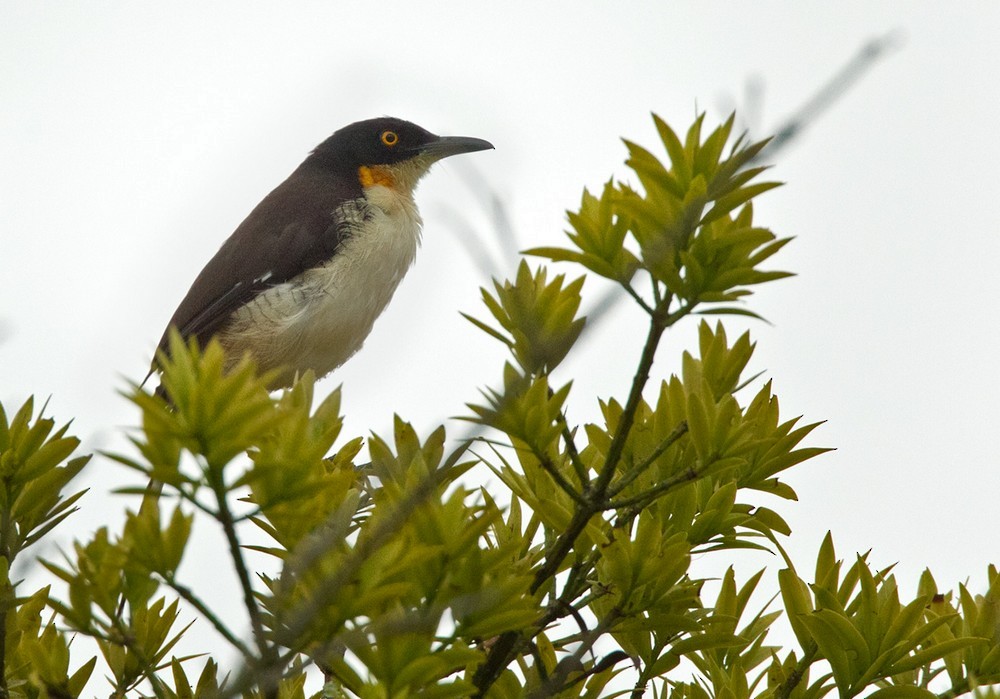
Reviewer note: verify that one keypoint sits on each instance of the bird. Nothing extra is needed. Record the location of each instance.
(301, 281)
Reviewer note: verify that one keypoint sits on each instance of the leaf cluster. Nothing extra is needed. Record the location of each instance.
(689, 229)
(35, 470)
(852, 618)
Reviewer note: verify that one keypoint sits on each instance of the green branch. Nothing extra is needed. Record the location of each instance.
(225, 517)
(301, 618)
(564, 485)
(638, 299)
(640, 502)
(556, 682)
(594, 496)
(571, 451)
(639, 381)
(661, 448)
(785, 689)
(188, 596)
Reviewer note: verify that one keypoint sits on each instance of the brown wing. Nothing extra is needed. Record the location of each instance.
(294, 228)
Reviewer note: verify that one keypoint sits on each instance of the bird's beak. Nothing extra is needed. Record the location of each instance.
(445, 146)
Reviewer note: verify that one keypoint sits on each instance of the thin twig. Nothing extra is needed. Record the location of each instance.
(187, 595)
(556, 681)
(862, 61)
(564, 485)
(657, 297)
(489, 670)
(639, 299)
(640, 502)
(296, 623)
(669, 441)
(572, 452)
(598, 490)
(785, 689)
(225, 517)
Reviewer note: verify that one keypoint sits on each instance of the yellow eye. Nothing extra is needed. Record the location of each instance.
(390, 138)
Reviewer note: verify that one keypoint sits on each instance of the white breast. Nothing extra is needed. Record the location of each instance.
(322, 317)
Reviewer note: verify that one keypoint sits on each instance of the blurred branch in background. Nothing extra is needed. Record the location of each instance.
(860, 64)
(478, 247)
(477, 243)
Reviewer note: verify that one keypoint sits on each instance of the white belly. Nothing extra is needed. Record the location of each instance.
(322, 317)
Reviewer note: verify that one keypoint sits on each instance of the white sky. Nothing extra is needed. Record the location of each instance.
(134, 137)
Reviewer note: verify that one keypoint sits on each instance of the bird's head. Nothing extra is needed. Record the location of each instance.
(389, 152)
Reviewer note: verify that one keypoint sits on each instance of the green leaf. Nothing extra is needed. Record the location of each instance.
(698, 426)
(706, 641)
(897, 691)
(675, 150)
(933, 653)
(731, 201)
(905, 623)
(772, 520)
(798, 604)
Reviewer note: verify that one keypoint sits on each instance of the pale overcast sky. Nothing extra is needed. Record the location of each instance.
(134, 137)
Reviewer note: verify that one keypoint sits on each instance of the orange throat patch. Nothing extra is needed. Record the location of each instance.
(375, 175)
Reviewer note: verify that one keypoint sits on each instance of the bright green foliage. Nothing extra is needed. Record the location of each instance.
(568, 575)
(111, 598)
(855, 621)
(417, 556)
(212, 415)
(33, 476)
(295, 483)
(673, 490)
(599, 236)
(692, 226)
(540, 317)
(527, 409)
(968, 616)
(207, 684)
(35, 469)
